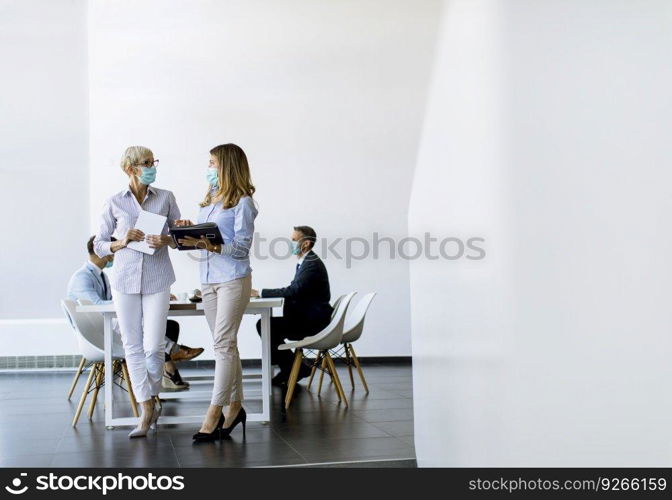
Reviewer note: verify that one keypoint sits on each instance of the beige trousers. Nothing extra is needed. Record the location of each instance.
(224, 305)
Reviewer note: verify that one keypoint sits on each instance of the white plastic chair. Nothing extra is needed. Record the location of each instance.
(88, 328)
(352, 331)
(95, 331)
(335, 304)
(327, 339)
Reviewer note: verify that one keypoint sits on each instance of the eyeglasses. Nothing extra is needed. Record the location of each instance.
(147, 164)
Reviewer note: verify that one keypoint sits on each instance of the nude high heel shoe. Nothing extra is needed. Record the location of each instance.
(158, 407)
(141, 430)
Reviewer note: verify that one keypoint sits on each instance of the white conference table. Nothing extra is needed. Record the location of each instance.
(262, 307)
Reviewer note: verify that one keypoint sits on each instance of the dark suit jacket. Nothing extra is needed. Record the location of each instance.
(307, 296)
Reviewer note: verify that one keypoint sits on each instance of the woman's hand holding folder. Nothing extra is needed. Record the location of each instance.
(204, 236)
(189, 241)
(202, 243)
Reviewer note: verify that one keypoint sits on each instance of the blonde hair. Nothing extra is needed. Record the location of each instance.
(233, 174)
(134, 155)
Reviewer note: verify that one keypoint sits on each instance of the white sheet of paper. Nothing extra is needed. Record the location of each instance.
(148, 223)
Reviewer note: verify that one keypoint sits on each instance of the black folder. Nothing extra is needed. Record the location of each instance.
(207, 229)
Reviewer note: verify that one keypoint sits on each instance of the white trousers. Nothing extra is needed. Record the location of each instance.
(142, 324)
(171, 346)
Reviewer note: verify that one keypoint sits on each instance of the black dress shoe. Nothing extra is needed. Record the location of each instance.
(280, 380)
(203, 437)
(240, 418)
(304, 371)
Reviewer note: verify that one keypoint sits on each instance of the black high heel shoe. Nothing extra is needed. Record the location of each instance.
(202, 437)
(241, 417)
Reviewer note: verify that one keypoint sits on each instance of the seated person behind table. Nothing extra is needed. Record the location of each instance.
(91, 283)
(306, 309)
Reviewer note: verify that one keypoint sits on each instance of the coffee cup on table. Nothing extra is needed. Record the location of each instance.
(195, 296)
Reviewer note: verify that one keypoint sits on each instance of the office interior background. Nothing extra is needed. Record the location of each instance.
(540, 126)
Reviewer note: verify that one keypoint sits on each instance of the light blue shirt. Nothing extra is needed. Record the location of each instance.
(87, 283)
(237, 227)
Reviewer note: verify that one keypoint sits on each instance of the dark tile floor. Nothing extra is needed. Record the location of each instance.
(377, 429)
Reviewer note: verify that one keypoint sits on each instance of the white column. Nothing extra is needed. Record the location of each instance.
(546, 133)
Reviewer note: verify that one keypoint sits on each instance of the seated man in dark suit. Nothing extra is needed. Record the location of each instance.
(306, 309)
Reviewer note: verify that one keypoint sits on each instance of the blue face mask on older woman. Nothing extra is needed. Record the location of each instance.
(148, 175)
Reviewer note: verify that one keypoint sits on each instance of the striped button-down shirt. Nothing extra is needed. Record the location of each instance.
(237, 227)
(133, 271)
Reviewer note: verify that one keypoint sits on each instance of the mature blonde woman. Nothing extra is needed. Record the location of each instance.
(140, 282)
(226, 279)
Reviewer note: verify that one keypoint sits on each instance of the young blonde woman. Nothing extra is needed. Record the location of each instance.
(226, 279)
(140, 282)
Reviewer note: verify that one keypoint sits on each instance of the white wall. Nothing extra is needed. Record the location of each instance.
(326, 98)
(547, 132)
(43, 168)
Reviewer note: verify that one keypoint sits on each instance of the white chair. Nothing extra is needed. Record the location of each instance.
(352, 331)
(335, 304)
(88, 328)
(310, 352)
(327, 339)
(83, 363)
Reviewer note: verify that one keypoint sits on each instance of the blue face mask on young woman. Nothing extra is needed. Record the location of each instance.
(148, 175)
(213, 177)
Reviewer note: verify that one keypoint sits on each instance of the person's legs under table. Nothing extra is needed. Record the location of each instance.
(172, 336)
(283, 327)
(175, 351)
